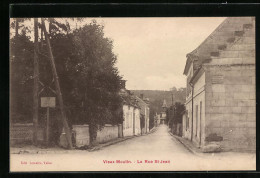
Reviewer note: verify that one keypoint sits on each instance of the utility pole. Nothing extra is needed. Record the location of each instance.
(36, 83)
(57, 86)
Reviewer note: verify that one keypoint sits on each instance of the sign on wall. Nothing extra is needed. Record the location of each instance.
(48, 102)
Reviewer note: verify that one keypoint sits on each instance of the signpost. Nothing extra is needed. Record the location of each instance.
(48, 102)
(57, 88)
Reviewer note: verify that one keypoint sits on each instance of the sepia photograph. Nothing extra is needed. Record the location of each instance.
(132, 94)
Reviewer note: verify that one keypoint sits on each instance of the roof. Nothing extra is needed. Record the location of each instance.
(219, 46)
(142, 100)
(196, 75)
(222, 35)
(128, 98)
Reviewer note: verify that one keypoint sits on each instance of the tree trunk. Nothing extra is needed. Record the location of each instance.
(93, 134)
(36, 82)
(57, 86)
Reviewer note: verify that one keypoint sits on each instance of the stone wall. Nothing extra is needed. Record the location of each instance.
(81, 135)
(231, 106)
(23, 133)
(107, 133)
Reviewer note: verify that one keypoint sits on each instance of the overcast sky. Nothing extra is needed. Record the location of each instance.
(152, 51)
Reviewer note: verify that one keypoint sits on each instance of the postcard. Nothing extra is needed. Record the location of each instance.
(132, 94)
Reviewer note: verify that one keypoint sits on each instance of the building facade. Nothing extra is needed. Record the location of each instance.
(220, 100)
(144, 113)
(131, 114)
(131, 124)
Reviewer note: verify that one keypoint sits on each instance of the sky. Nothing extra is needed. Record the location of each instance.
(152, 51)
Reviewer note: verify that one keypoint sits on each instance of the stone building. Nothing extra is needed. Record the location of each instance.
(221, 100)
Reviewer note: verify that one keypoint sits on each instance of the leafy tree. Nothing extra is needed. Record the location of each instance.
(173, 89)
(175, 115)
(21, 73)
(90, 82)
(101, 85)
(85, 63)
(18, 24)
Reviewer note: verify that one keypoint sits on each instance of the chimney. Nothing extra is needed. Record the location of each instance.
(142, 96)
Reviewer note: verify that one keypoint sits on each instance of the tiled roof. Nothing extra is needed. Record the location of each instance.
(128, 98)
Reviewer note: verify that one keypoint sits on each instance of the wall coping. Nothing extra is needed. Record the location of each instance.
(21, 124)
(86, 125)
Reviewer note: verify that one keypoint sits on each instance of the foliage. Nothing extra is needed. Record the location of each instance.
(156, 98)
(98, 81)
(174, 114)
(85, 64)
(21, 75)
(18, 24)
(179, 108)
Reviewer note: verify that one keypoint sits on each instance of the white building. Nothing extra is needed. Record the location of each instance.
(131, 114)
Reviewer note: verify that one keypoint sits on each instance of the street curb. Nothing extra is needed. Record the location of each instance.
(98, 147)
(118, 141)
(191, 150)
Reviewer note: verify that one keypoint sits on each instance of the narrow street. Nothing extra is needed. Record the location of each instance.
(155, 145)
(158, 151)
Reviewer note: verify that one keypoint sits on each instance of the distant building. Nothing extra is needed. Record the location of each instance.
(221, 101)
(161, 117)
(156, 119)
(163, 113)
